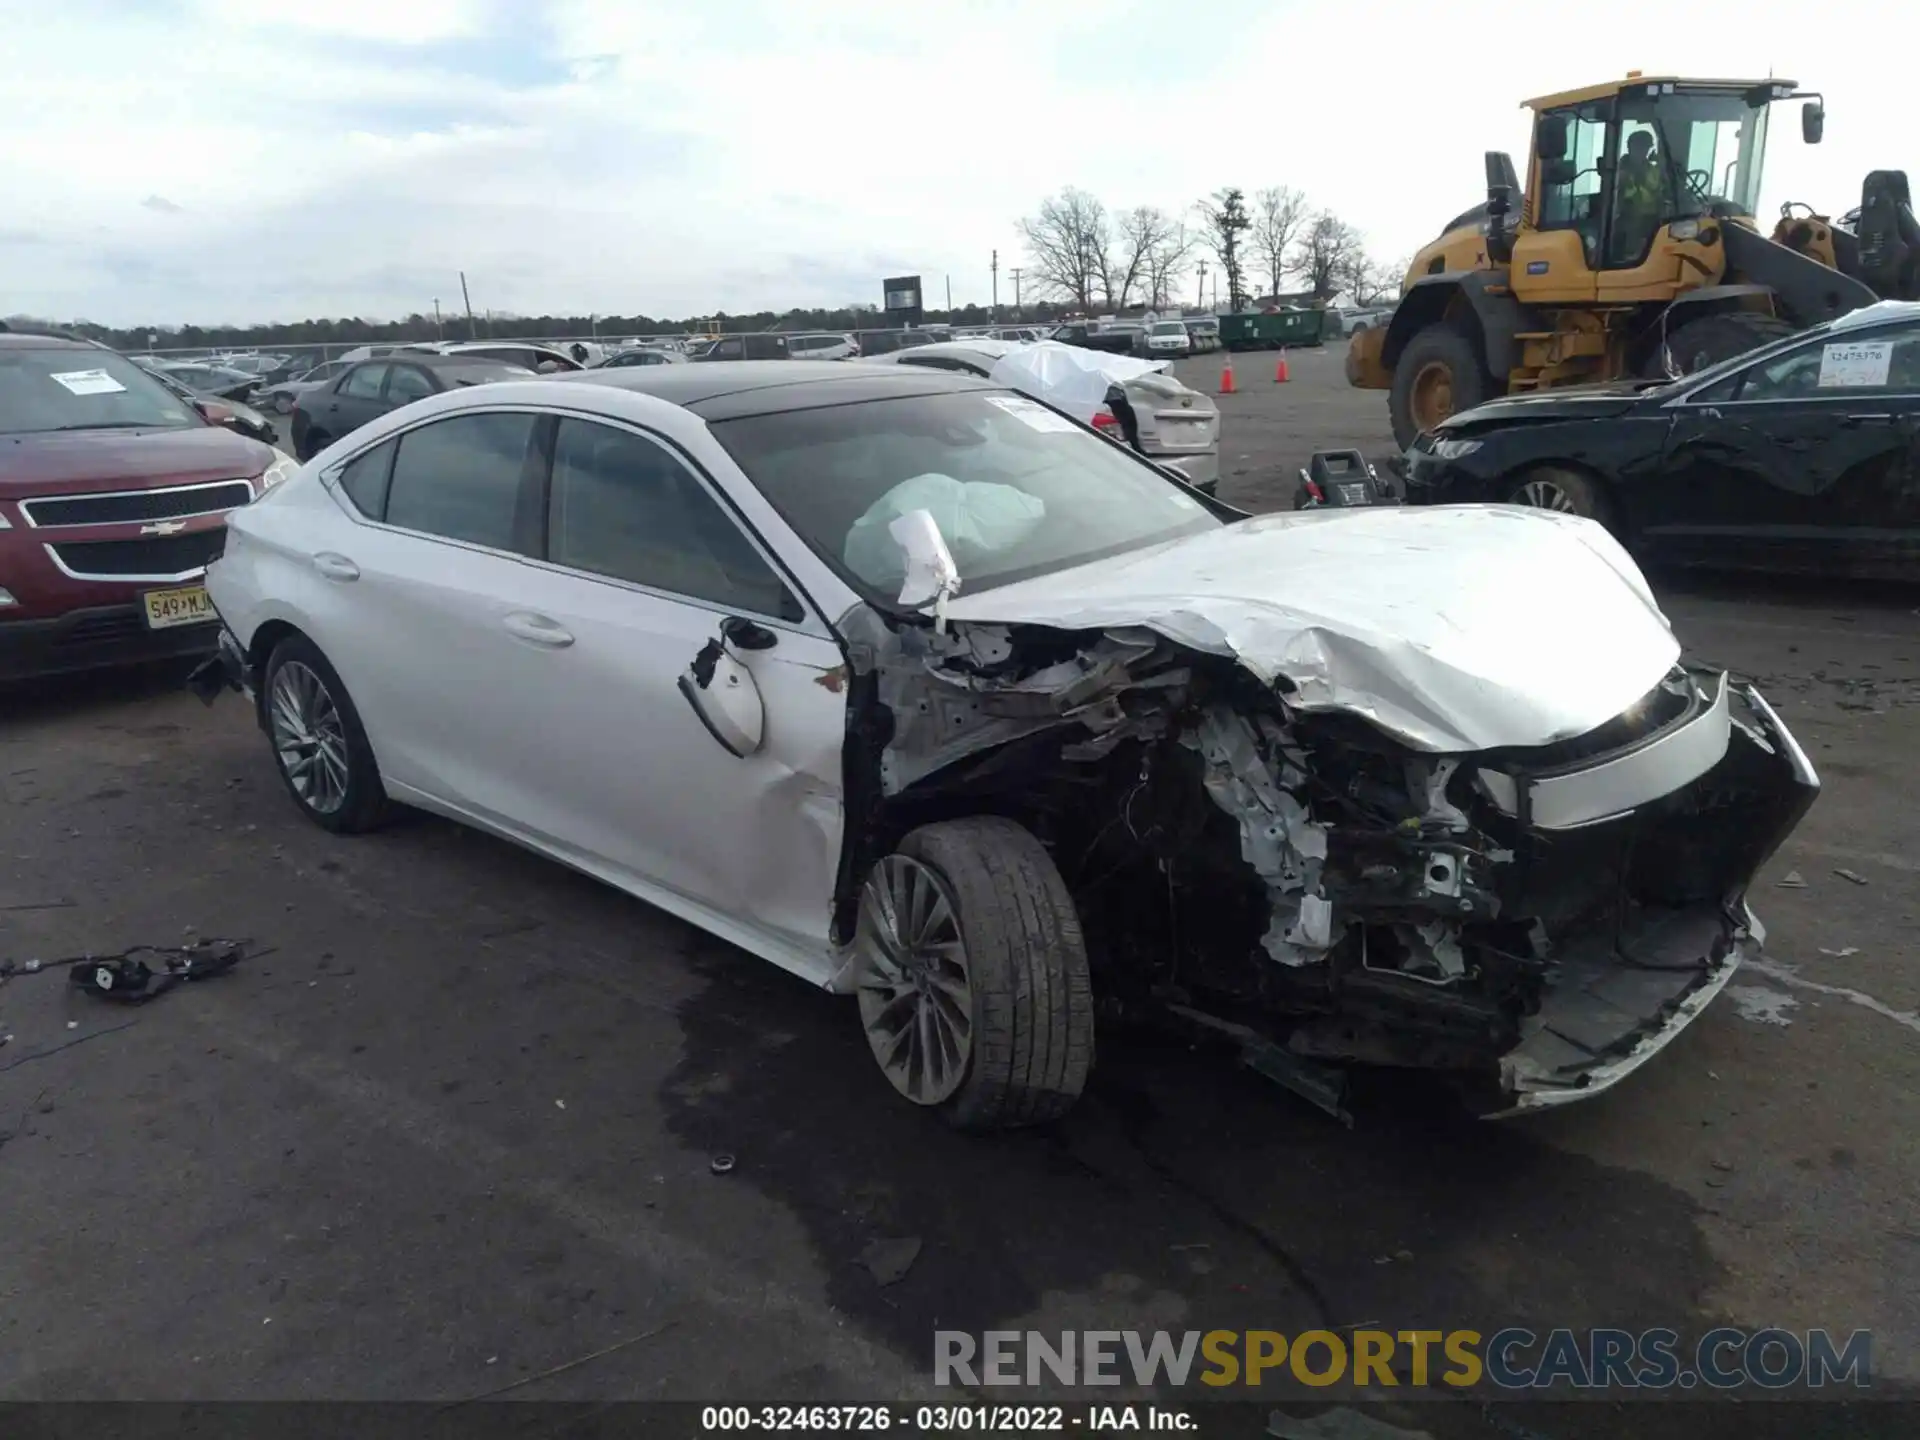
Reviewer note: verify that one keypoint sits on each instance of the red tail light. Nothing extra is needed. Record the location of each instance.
(1105, 419)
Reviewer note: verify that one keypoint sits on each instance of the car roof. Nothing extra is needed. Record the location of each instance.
(1877, 314)
(432, 359)
(27, 340)
(969, 347)
(729, 389)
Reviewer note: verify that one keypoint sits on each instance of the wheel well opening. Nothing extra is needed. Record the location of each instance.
(265, 638)
(1426, 306)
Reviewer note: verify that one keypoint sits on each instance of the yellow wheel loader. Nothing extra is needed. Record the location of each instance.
(1633, 252)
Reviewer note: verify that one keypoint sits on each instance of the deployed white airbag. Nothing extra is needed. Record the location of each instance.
(977, 521)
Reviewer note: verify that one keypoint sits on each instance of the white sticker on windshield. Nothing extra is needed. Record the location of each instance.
(1033, 416)
(88, 382)
(1855, 364)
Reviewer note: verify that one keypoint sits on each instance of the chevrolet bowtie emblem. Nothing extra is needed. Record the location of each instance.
(164, 527)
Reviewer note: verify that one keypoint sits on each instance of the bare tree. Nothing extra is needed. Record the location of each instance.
(1143, 230)
(1165, 262)
(1225, 213)
(1278, 213)
(1068, 244)
(1326, 254)
(1371, 281)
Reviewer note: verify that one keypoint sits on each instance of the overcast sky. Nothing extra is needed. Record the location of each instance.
(211, 161)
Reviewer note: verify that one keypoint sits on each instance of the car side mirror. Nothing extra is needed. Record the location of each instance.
(1550, 139)
(723, 695)
(1813, 122)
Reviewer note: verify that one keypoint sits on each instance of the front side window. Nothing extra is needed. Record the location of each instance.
(727, 350)
(363, 383)
(624, 506)
(1016, 489)
(45, 388)
(462, 478)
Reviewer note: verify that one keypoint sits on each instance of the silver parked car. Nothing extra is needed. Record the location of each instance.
(1138, 403)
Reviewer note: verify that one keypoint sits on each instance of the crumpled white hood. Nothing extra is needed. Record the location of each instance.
(1456, 628)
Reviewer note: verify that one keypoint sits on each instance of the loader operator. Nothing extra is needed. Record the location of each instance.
(1637, 203)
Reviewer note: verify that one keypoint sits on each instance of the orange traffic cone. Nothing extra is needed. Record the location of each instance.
(1226, 378)
(1280, 375)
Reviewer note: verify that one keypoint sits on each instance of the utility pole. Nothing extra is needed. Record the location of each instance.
(1216, 292)
(438, 332)
(467, 300)
(1015, 273)
(994, 266)
(1200, 300)
(949, 299)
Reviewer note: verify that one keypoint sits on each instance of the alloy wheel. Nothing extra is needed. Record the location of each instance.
(916, 996)
(309, 738)
(1545, 495)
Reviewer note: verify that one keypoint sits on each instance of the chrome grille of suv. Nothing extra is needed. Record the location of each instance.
(135, 506)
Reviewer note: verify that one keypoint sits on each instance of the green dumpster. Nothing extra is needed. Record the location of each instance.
(1270, 331)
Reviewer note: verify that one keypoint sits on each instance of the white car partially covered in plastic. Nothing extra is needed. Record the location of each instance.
(905, 682)
(1129, 399)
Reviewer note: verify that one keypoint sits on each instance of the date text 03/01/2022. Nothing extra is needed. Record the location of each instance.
(947, 1419)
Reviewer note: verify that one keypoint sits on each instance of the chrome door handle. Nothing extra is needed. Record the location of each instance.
(536, 629)
(335, 567)
(1879, 418)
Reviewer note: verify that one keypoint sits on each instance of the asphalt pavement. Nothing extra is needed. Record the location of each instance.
(463, 1122)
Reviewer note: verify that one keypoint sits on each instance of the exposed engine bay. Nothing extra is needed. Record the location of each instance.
(1534, 922)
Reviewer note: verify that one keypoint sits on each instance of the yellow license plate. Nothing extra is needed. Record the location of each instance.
(188, 605)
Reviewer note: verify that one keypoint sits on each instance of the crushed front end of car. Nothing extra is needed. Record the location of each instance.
(1284, 843)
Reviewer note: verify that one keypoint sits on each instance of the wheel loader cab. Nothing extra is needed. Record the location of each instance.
(1630, 184)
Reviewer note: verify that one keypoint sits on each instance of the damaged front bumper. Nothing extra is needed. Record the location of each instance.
(1614, 1006)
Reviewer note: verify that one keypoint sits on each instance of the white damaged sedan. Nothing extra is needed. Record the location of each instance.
(924, 692)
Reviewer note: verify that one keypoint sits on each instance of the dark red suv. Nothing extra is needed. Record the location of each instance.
(113, 493)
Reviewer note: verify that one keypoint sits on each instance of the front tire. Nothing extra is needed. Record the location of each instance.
(1440, 373)
(1712, 338)
(1566, 492)
(283, 404)
(319, 745)
(972, 976)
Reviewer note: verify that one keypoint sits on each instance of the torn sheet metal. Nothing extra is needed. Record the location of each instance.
(1457, 628)
(1277, 838)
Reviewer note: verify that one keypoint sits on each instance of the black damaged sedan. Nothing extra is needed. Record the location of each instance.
(1801, 455)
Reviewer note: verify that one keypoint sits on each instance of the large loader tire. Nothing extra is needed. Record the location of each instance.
(1696, 344)
(1440, 373)
(972, 976)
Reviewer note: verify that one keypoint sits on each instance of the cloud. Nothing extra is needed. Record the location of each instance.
(617, 156)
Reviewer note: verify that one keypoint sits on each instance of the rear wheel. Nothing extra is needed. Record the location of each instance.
(1439, 373)
(319, 745)
(1568, 492)
(1696, 344)
(972, 976)
(283, 404)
